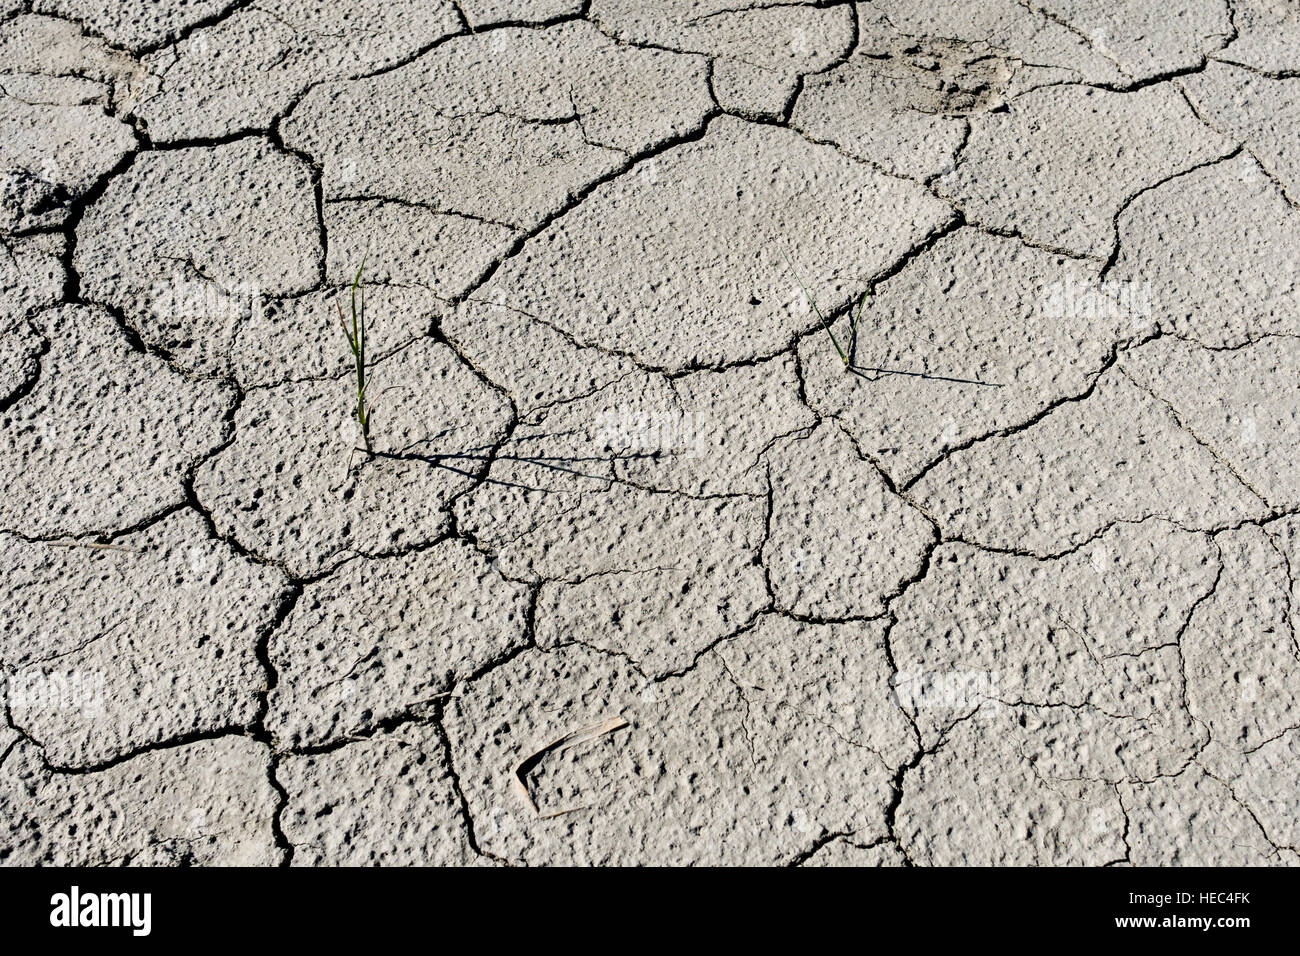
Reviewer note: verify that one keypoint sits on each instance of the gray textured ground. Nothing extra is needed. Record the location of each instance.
(640, 573)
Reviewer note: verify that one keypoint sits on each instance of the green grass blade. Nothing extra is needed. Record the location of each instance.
(357, 343)
(813, 302)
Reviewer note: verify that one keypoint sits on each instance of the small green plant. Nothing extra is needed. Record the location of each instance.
(854, 317)
(356, 335)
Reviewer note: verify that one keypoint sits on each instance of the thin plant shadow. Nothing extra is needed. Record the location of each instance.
(862, 370)
(853, 341)
(558, 463)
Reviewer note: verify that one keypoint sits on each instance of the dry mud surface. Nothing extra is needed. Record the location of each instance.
(639, 573)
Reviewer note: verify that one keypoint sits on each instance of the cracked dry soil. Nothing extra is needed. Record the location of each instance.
(639, 573)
